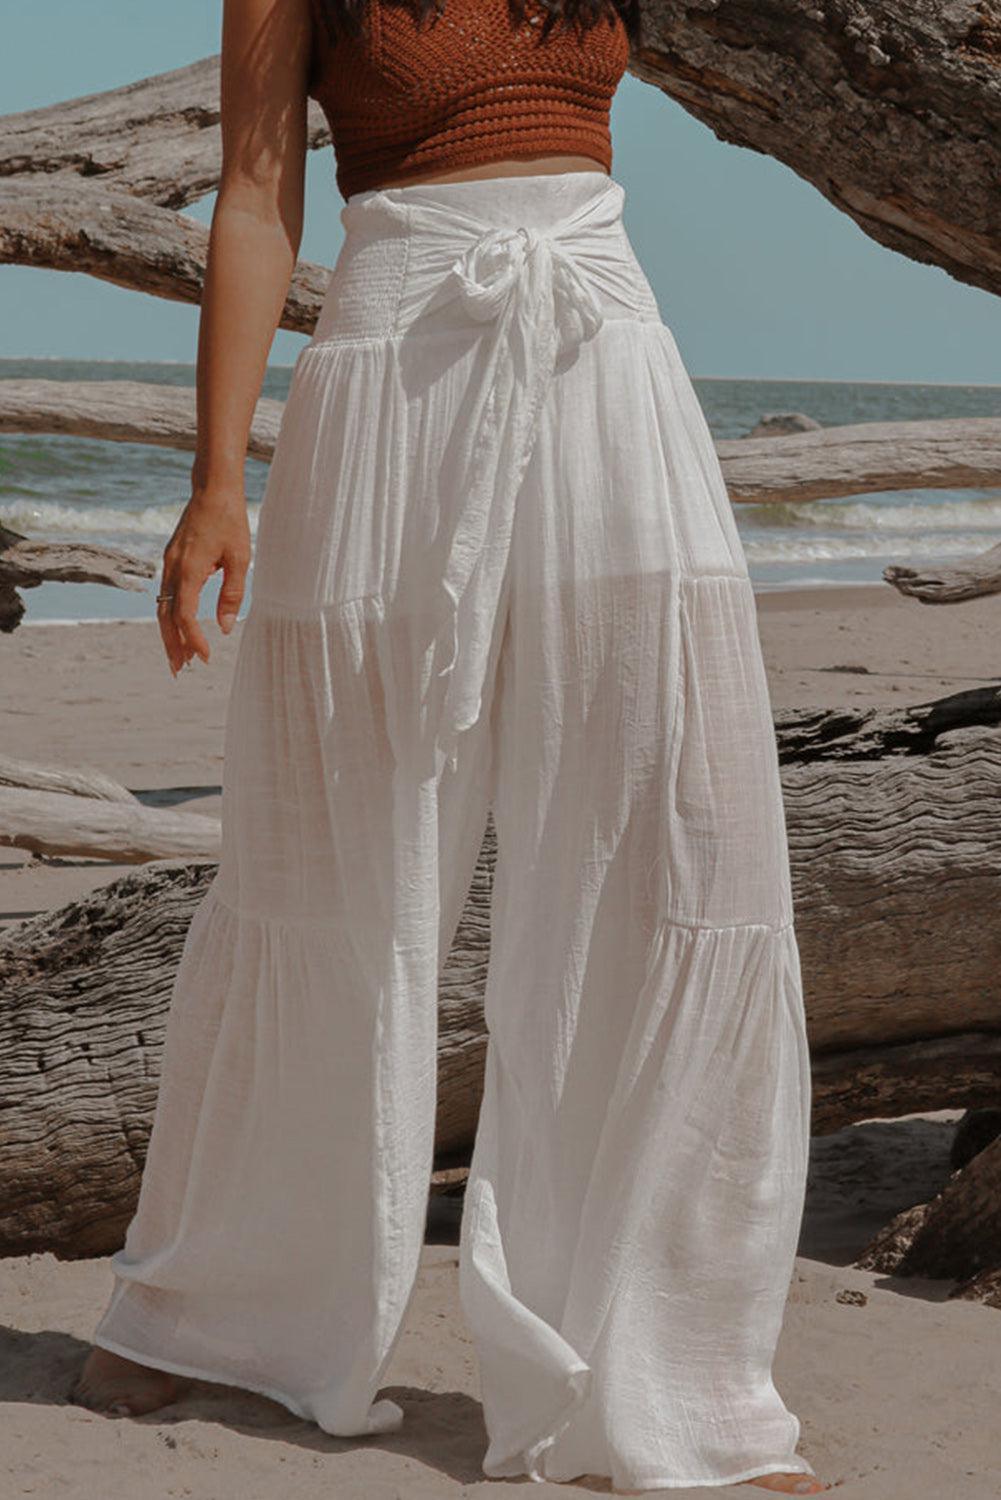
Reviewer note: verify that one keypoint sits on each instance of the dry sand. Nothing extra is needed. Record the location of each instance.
(898, 1396)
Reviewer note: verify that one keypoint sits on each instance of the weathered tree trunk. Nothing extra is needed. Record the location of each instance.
(868, 734)
(86, 828)
(94, 184)
(956, 1236)
(86, 991)
(953, 582)
(890, 108)
(85, 994)
(894, 827)
(124, 411)
(856, 459)
(70, 781)
(864, 458)
(25, 564)
(85, 814)
(66, 226)
(902, 994)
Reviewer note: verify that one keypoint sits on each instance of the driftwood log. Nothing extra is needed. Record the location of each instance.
(944, 758)
(820, 463)
(894, 829)
(898, 875)
(95, 184)
(87, 815)
(902, 993)
(890, 108)
(70, 782)
(952, 583)
(24, 564)
(956, 1235)
(860, 458)
(86, 991)
(124, 411)
(864, 458)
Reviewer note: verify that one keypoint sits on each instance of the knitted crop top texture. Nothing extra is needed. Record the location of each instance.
(468, 86)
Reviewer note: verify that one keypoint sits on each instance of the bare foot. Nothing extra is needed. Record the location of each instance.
(109, 1382)
(789, 1484)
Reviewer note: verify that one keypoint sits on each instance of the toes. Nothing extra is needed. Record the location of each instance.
(81, 1395)
(105, 1394)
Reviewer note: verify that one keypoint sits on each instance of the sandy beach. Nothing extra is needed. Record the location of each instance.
(897, 1388)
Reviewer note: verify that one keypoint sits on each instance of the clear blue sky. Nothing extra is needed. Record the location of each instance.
(755, 272)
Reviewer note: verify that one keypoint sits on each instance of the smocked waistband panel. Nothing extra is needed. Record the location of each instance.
(395, 272)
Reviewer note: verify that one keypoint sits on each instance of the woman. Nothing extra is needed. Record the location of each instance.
(496, 568)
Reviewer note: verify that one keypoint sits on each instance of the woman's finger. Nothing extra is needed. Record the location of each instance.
(186, 617)
(234, 577)
(166, 594)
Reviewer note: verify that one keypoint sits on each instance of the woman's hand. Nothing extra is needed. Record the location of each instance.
(213, 532)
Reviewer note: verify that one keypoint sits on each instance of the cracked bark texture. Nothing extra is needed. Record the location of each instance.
(957, 1235)
(891, 108)
(86, 991)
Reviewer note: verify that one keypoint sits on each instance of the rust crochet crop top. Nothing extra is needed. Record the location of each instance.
(469, 85)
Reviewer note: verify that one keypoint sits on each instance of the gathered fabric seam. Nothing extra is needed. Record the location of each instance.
(279, 608)
(244, 914)
(349, 340)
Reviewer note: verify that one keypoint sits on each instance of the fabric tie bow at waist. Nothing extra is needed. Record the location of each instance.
(490, 268)
(534, 291)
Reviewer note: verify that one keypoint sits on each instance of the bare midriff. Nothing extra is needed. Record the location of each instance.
(508, 167)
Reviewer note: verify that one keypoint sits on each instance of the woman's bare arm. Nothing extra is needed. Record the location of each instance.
(253, 245)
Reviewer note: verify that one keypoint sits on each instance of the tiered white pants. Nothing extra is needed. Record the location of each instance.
(496, 567)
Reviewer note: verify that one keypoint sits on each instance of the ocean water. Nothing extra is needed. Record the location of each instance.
(130, 495)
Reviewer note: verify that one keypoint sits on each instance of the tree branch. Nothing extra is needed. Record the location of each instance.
(890, 108)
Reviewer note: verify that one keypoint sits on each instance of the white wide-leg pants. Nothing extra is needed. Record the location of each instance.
(496, 567)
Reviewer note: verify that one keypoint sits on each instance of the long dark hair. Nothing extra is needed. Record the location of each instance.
(346, 15)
